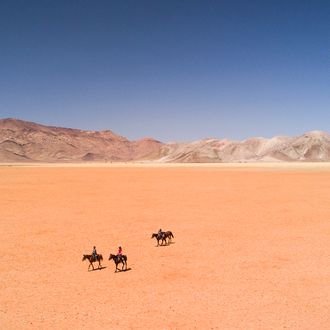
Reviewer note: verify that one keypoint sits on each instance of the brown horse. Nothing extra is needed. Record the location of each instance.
(119, 259)
(159, 236)
(169, 235)
(162, 236)
(92, 259)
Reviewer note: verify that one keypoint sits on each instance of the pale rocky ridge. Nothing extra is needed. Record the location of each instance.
(22, 141)
(312, 146)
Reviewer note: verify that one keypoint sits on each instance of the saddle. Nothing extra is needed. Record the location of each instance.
(119, 258)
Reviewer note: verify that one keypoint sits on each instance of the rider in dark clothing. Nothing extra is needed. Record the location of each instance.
(94, 253)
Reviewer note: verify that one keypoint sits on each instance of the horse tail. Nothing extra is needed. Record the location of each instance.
(101, 258)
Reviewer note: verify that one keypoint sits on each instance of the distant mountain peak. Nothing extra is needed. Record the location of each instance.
(316, 133)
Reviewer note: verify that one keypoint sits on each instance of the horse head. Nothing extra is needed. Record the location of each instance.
(84, 257)
(112, 256)
(154, 235)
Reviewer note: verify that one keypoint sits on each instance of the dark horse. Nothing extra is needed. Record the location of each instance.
(159, 236)
(169, 235)
(119, 259)
(92, 259)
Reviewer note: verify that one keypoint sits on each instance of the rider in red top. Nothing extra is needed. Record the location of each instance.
(120, 251)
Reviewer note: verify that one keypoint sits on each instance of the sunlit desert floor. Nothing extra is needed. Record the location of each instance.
(251, 247)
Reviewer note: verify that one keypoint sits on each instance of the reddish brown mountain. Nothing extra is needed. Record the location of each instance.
(27, 141)
(22, 141)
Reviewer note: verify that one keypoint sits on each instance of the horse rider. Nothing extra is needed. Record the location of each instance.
(160, 233)
(120, 252)
(94, 253)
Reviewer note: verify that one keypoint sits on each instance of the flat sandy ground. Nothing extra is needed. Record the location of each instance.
(251, 247)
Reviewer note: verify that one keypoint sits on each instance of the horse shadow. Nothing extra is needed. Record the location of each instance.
(123, 270)
(164, 245)
(99, 268)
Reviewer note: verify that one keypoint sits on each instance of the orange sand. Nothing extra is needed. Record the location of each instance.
(251, 248)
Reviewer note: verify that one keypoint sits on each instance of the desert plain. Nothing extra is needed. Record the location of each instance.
(251, 247)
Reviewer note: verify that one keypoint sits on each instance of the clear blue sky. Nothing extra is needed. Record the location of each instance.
(174, 70)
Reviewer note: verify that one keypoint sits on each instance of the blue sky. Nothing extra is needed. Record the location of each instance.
(174, 70)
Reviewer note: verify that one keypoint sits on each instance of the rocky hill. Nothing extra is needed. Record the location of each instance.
(27, 141)
(22, 141)
(312, 146)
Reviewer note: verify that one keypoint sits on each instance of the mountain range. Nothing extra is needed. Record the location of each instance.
(23, 141)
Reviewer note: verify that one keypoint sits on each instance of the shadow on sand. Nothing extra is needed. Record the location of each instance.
(124, 270)
(95, 269)
(160, 245)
